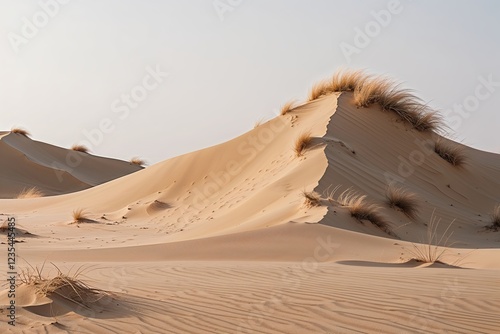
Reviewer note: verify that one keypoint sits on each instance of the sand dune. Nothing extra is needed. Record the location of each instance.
(223, 240)
(53, 170)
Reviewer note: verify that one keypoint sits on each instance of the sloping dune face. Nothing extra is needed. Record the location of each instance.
(371, 151)
(52, 170)
(311, 222)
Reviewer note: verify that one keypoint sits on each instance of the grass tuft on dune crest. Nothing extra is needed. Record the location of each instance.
(20, 131)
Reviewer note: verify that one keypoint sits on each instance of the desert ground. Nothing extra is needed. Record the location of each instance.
(350, 212)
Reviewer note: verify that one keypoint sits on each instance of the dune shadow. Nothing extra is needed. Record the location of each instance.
(408, 264)
(108, 306)
(20, 232)
(157, 206)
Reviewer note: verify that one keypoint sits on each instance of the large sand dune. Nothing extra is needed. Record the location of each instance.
(222, 240)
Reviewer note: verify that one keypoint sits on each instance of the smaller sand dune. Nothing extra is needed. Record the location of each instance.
(50, 169)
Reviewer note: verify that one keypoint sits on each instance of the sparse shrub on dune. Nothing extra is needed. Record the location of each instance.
(258, 123)
(428, 121)
(311, 199)
(348, 80)
(80, 148)
(403, 200)
(369, 90)
(360, 209)
(287, 107)
(434, 247)
(302, 143)
(80, 216)
(67, 286)
(452, 153)
(138, 161)
(32, 192)
(495, 218)
(20, 131)
(403, 103)
(321, 88)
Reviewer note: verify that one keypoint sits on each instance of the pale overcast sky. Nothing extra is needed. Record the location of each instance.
(72, 66)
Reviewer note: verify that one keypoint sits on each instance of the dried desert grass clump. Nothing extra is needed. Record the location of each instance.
(287, 107)
(303, 142)
(80, 148)
(32, 192)
(403, 103)
(360, 209)
(452, 153)
(80, 216)
(311, 199)
(405, 201)
(434, 247)
(68, 287)
(348, 80)
(369, 90)
(319, 89)
(20, 131)
(495, 218)
(138, 161)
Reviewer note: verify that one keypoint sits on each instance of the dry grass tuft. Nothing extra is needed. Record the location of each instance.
(348, 80)
(495, 218)
(403, 103)
(452, 153)
(32, 192)
(428, 121)
(80, 216)
(302, 143)
(65, 286)
(20, 131)
(360, 209)
(321, 88)
(80, 148)
(311, 199)
(407, 202)
(138, 161)
(434, 247)
(287, 107)
(371, 91)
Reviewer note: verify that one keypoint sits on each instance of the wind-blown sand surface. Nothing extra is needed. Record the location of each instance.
(52, 170)
(221, 240)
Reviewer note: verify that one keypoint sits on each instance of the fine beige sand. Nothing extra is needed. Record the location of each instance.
(52, 170)
(222, 240)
